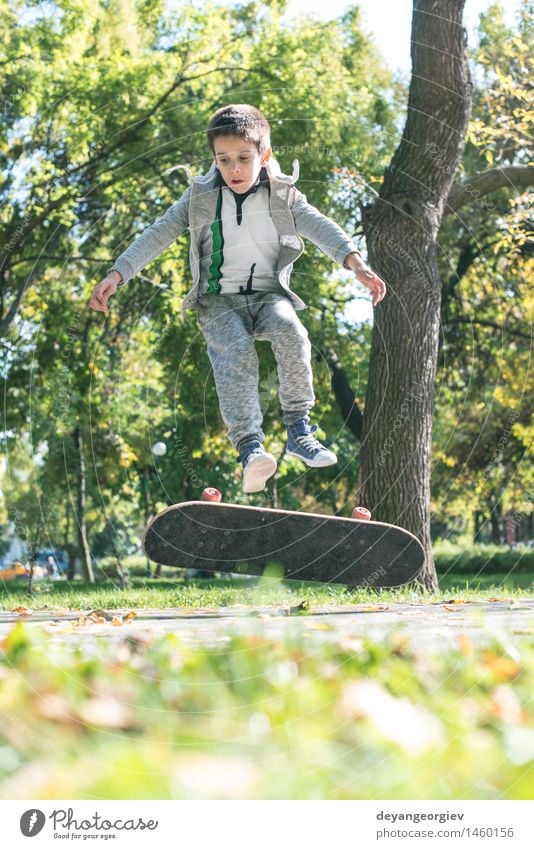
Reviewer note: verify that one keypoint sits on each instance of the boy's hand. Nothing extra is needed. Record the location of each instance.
(104, 290)
(367, 277)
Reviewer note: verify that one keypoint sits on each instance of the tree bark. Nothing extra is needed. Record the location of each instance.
(401, 230)
(85, 552)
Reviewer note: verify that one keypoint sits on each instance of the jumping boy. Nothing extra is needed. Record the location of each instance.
(245, 220)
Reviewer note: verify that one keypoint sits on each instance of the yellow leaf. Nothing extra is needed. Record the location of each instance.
(321, 626)
(466, 646)
(503, 667)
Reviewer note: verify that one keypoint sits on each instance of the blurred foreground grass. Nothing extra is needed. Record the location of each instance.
(252, 717)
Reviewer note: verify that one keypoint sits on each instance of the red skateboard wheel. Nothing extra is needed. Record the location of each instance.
(361, 513)
(211, 494)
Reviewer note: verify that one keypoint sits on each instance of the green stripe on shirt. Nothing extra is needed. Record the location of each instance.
(215, 274)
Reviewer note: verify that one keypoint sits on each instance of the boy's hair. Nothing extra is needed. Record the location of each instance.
(240, 119)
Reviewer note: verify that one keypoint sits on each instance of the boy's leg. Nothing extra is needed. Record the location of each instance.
(227, 327)
(277, 322)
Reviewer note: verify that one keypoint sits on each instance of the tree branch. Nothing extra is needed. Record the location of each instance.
(344, 395)
(468, 254)
(481, 184)
(493, 324)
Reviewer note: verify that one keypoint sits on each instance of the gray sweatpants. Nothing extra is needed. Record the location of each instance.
(230, 324)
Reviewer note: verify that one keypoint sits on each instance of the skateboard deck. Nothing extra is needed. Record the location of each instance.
(223, 537)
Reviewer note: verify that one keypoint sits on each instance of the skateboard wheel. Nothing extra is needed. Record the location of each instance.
(211, 494)
(361, 513)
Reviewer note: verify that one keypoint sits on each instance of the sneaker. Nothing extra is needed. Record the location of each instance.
(302, 444)
(258, 466)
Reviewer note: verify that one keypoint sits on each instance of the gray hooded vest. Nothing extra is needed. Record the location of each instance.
(292, 216)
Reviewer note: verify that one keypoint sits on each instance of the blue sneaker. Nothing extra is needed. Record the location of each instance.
(258, 466)
(302, 444)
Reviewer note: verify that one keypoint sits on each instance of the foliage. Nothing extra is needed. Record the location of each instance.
(97, 114)
(483, 430)
(477, 560)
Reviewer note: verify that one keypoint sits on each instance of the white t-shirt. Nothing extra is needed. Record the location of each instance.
(246, 244)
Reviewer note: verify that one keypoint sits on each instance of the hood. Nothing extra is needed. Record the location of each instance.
(273, 170)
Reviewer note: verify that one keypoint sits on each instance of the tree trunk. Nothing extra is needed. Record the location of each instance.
(496, 524)
(68, 546)
(85, 552)
(401, 230)
(478, 525)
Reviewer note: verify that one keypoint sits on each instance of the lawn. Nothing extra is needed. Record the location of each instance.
(222, 592)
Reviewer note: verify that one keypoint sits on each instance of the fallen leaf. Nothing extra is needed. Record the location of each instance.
(398, 719)
(61, 627)
(466, 646)
(455, 601)
(503, 667)
(131, 615)
(117, 620)
(320, 626)
(373, 608)
(505, 705)
(53, 706)
(351, 642)
(22, 611)
(400, 642)
(100, 614)
(95, 618)
(106, 712)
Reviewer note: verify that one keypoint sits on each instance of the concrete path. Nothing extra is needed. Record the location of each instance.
(427, 625)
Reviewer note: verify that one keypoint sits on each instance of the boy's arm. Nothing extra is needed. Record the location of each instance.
(154, 239)
(335, 243)
(321, 230)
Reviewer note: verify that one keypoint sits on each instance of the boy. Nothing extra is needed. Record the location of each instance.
(245, 219)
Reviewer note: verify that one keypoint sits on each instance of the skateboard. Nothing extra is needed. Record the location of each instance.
(212, 536)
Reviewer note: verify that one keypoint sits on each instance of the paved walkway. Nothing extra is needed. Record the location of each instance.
(436, 625)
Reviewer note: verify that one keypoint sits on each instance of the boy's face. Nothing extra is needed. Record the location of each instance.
(238, 161)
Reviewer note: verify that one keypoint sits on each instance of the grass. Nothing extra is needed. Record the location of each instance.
(222, 592)
(258, 718)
